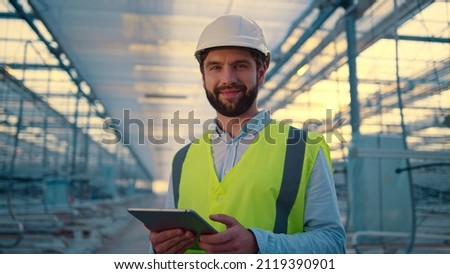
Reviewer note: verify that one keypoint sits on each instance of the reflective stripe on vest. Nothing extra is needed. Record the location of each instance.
(295, 153)
(290, 183)
(176, 171)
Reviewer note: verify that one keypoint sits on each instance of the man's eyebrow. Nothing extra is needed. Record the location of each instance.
(239, 61)
(211, 63)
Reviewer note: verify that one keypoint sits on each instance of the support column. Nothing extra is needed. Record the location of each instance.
(352, 54)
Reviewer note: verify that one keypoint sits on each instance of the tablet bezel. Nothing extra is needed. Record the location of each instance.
(157, 220)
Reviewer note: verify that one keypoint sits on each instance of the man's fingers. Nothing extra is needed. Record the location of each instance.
(224, 219)
(171, 241)
(159, 237)
(181, 244)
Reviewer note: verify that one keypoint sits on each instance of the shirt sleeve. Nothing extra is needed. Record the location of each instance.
(323, 229)
(169, 200)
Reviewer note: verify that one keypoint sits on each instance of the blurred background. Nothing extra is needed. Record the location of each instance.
(97, 96)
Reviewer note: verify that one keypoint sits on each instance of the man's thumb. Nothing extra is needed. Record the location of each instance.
(224, 219)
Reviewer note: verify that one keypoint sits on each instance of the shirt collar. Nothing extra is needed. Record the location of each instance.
(250, 129)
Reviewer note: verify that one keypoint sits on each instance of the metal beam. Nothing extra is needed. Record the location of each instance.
(433, 75)
(418, 38)
(30, 95)
(350, 26)
(277, 51)
(405, 11)
(324, 14)
(33, 66)
(340, 27)
(57, 52)
(9, 15)
(398, 153)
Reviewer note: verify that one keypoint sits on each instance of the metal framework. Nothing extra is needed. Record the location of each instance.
(50, 154)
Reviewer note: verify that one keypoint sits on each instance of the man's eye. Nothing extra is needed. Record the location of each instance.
(242, 66)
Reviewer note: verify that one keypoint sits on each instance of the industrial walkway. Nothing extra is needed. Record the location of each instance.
(133, 237)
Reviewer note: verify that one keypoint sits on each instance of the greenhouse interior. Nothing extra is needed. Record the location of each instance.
(96, 97)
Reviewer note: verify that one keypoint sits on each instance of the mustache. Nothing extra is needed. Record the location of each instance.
(240, 87)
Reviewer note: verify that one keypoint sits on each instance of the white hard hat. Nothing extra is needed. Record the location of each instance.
(233, 31)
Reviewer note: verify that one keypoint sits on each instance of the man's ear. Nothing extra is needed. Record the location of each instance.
(262, 74)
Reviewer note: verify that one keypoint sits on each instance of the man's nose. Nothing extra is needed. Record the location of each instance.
(228, 76)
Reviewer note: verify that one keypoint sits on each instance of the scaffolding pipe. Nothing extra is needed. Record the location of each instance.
(75, 135)
(16, 139)
(352, 54)
(86, 141)
(20, 114)
(404, 136)
(45, 141)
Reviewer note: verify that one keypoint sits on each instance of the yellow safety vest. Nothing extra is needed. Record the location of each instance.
(265, 189)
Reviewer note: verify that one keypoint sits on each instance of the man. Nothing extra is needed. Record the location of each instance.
(265, 186)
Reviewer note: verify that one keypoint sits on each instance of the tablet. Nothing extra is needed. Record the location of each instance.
(164, 219)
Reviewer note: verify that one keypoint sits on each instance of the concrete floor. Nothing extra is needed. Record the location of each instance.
(133, 237)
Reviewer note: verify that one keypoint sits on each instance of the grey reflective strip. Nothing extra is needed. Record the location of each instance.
(177, 165)
(292, 174)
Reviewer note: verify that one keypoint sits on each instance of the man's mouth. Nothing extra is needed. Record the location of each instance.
(229, 93)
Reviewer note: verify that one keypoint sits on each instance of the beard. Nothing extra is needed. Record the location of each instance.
(232, 107)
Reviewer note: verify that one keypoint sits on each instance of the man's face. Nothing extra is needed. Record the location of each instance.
(231, 80)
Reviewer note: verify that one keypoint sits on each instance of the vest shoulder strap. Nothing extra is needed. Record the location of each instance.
(292, 174)
(177, 165)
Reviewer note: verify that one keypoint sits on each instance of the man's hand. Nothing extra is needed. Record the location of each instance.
(171, 241)
(236, 239)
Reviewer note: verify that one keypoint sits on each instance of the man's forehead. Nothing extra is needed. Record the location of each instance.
(228, 52)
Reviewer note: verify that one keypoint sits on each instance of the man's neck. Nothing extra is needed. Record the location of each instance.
(233, 125)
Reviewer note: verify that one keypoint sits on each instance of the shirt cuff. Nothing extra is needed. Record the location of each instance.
(265, 244)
